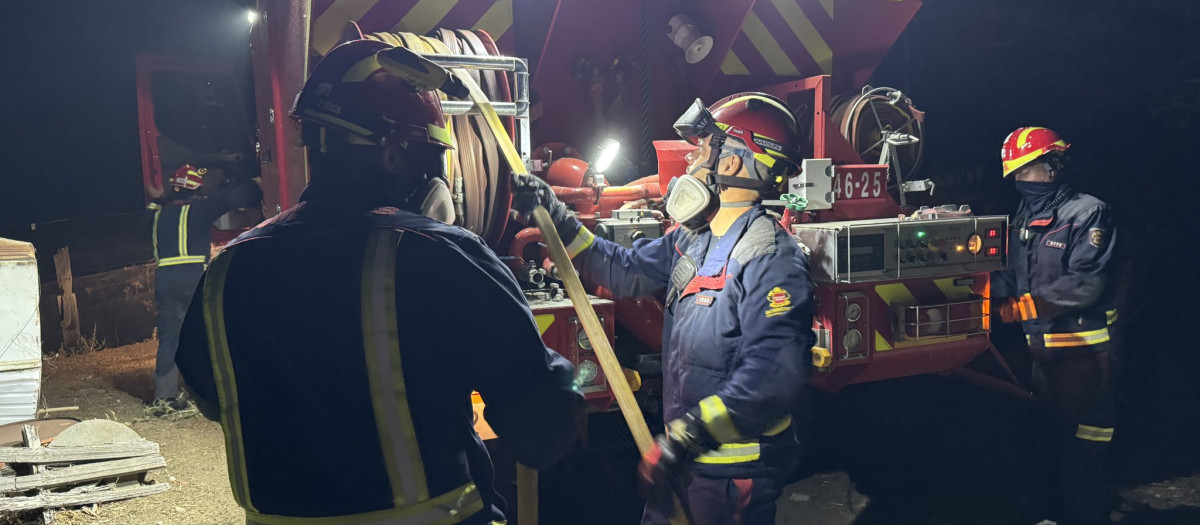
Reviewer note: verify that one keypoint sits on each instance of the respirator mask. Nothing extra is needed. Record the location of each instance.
(427, 190)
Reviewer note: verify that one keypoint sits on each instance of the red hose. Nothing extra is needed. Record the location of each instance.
(523, 239)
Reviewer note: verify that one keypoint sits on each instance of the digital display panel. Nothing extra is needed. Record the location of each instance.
(863, 253)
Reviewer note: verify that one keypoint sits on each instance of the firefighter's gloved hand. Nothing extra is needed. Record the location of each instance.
(529, 192)
(1024, 308)
(667, 462)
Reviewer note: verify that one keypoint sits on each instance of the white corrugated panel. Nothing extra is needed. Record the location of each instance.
(20, 332)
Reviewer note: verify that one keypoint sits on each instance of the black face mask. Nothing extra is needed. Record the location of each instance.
(1037, 194)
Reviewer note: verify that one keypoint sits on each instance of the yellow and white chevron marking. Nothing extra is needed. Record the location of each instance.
(766, 42)
(813, 42)
(953, 292)
(543, 322)
(424, 16)
(881, 344)
(767, 46)
(497, 19)
(407, 16)
(895, 293)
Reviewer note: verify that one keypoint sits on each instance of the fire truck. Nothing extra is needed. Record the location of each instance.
(902, 289)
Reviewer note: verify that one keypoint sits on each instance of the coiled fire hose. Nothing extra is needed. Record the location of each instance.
(583, 308)
(862, 119)
(479, 178)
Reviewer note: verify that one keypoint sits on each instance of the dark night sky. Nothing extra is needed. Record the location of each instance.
(70, 115)
(1119, 79)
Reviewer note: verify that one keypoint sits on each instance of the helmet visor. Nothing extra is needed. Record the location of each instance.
(696, 123)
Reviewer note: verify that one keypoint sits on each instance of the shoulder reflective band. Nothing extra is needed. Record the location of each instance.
(447, 509)
(389, 397)
(183, 218)
(154, 234)
(222, 364)
(732, 453)
(1091, 433)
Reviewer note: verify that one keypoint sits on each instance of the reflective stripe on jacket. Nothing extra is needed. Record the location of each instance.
(737, 330)
(339, 354)
(1060, 256)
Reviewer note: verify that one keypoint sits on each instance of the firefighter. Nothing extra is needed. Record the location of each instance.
(182, 222)
(339, 342)
(738, 317)
(1057, 287)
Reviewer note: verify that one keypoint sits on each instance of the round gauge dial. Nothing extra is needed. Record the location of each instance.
(586, 373)
(852, 339)
(853, 312)
(581, 339)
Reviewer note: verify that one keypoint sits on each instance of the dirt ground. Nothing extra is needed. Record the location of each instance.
(113, 384)
(915, 451)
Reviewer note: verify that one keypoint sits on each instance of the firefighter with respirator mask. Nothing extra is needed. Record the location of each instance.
(738, 313)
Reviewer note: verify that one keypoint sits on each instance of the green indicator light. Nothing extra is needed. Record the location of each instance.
(921, 235)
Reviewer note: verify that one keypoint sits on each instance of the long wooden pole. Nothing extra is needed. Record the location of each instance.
(595, 333)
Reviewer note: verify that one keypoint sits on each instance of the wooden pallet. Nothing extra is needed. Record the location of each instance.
(50, 478)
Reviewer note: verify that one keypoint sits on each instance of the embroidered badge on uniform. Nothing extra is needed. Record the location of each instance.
(779, 302)
(705, 300)
(1098, 237)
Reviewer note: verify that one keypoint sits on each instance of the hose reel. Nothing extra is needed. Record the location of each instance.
(879, 116)
(479, 177)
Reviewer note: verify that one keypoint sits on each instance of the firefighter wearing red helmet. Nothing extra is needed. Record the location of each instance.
(348, 319)
(182, 222)
(737, 327)
(1057, 287)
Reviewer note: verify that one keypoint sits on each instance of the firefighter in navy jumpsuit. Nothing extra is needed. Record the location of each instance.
(181, 237)
(1057, 286)
(339, 342)
(738, 319)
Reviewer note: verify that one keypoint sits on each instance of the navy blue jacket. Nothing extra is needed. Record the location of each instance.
(1060, 256)
(736, 334)
(339, 346)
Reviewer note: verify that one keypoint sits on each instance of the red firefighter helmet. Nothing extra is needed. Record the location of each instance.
(1027, 144)
(188, 177)
(763, 123)
(349, 90)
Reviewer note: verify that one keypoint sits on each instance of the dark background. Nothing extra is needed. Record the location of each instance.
(70, 159)
(1118, 79)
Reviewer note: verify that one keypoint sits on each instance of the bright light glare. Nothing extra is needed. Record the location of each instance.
(252, 16)
(608, 152)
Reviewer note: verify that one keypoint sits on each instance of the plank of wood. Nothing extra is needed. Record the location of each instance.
(80, 496)
(55, 477)
(83, 453)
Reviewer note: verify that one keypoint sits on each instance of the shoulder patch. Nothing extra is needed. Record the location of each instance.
(759, 239)
(779, 302)
(1097, 237)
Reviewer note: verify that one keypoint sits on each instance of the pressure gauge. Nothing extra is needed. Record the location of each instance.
(586, 373)
(581, 339)
(853, 312)
(851, 340)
